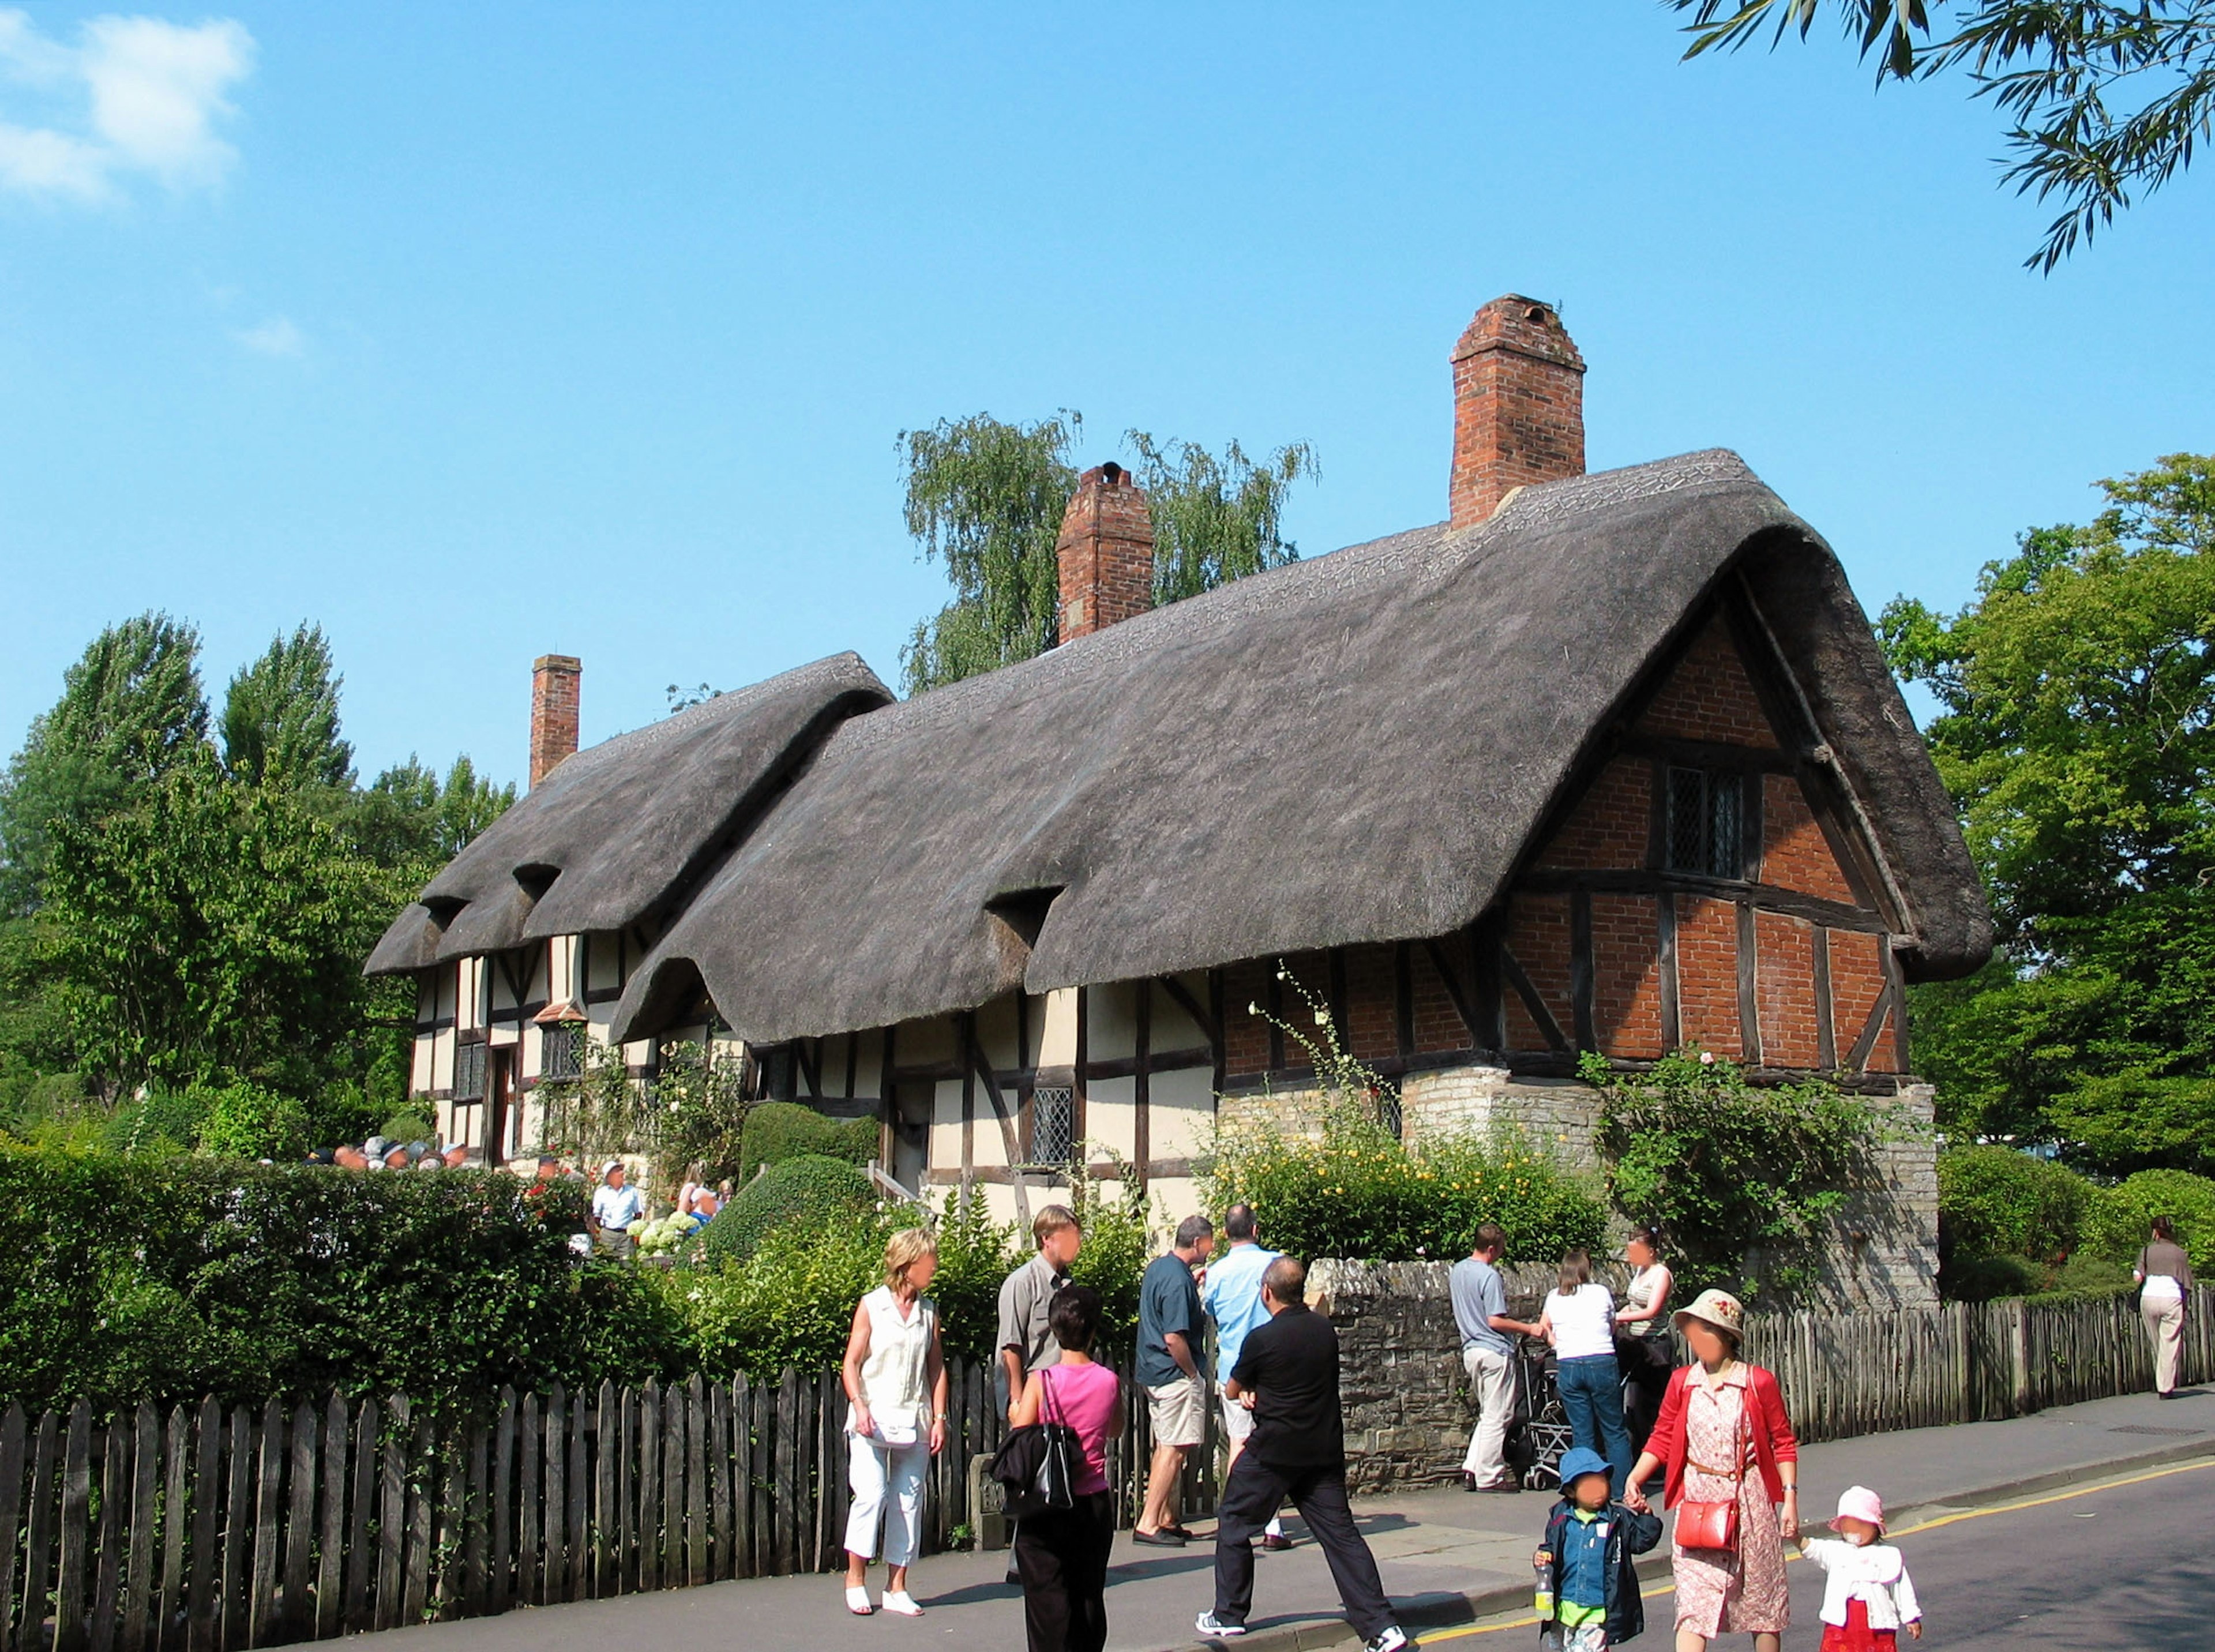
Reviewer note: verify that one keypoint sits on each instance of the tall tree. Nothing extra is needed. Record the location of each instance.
(987, 497)
(1215, 521)
(2077, 734)
(131, 708)
(280, 717)
(2104, 98)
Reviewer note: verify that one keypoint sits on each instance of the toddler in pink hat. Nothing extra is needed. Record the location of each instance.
(1867, 1596)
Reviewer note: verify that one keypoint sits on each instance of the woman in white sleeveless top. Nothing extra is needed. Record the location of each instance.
(895, 1382)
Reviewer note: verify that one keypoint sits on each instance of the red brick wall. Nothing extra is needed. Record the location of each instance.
(1610, 825)
(1437, 1023)
(1626, 975)
(1104, 553)
(1709, 697)
(1707, 974)
(1538, 936)
(1518, 406)
(1794, 854)
(1373, 1031)
(1857, 980)
(1784, 989)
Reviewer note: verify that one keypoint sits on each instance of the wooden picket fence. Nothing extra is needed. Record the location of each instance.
(1849, 1374)
(210, 1530)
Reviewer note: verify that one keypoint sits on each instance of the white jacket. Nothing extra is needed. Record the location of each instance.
(1875, 1575)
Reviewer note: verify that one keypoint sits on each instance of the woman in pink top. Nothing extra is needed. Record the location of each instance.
(1062, 1555)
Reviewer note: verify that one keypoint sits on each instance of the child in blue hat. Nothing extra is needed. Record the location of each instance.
(1588, 1581)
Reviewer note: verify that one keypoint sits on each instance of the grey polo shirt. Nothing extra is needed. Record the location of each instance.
(1477, 1295)
(1025, 1296)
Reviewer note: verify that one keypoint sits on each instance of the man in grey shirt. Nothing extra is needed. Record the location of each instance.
(1026, 1341)
(1480, 1307)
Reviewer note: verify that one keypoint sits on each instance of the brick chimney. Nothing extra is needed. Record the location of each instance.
(553, 712)
(1518, 406)
(1104, 553)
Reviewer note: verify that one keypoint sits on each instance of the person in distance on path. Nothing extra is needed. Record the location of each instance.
(1288, 1373)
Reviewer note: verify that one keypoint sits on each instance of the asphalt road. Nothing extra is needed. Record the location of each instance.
(2128, 1568)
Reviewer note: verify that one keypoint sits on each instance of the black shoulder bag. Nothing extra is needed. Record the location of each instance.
(1035, 1463)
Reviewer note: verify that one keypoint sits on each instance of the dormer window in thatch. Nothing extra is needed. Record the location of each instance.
(1707, 828)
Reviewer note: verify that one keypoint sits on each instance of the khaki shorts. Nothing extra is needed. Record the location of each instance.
(1179, 1410)
(1238, 1421)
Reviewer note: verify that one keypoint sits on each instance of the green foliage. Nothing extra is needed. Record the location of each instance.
(1741, 1177)
(280, 718)
(167, 1278)
(692, 1111)
(1338, 1183)
(975, 1254)
(1215, 521)
(2120, 1219)
(408, 819)
(820, 1193)
(791, 1302)
(410, 1125)
(1118, 1243)
(1995, 1201)
(777, 1131)
(988, 497)
(2106, 97)
(2079, 737)
(246, 1121)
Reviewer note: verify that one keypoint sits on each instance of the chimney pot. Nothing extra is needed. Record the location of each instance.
(1518, 406)
(1104, 556)
(553, 695)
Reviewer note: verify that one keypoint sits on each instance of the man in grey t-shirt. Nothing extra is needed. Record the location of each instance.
(1480, 1306)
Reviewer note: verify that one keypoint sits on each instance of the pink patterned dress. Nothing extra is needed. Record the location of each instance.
(1720, 1592)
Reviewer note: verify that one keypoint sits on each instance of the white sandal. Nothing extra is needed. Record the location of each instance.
(857, 1602)
(902, 1604)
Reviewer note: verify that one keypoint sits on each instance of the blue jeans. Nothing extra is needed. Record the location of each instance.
(1591, 1393)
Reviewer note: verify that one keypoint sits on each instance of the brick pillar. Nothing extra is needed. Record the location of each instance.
(553, 711)
(1518, 406)
(1105, 554)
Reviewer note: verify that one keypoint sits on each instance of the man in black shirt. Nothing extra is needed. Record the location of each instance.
(1287, 1373)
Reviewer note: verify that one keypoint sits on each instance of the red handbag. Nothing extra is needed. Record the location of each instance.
(1702, 1524)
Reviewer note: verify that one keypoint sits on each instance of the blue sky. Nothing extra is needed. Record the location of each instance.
(478, 332)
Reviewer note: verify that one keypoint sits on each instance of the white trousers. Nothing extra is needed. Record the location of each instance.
(2164, 1324)
(1492, 1385)
(872, 1470)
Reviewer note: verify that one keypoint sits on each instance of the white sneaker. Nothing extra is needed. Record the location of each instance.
(901, 1604)
(1390, 1638)
(1215, 1629)
(857, 1602)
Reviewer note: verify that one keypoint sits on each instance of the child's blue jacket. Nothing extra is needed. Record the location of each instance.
(1629, 1533)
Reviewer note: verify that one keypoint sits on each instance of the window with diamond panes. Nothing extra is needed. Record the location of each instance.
(1053, 1125)
(1706, 823)
(558, 1055)
(468, 1070)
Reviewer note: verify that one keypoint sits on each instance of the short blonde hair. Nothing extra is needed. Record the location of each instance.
(906, 1247)
(1054, 1218)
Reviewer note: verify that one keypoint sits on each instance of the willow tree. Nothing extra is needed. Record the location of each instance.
(986, 497)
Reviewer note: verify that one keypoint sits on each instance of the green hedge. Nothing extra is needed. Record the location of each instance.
(1994, 1200)
(2121, 1219)
(825, 1195)
(777, 1131)
(1351, 1190)
(2011, 1225)
(168, 1278)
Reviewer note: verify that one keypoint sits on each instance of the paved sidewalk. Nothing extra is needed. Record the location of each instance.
(1445, 1557)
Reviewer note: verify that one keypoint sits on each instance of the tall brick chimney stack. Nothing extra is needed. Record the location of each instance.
(1106, 553)
(1518, 405)
(553, 712)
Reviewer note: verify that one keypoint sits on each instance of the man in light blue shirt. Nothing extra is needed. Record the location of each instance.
(1232, 1299)
(1480, 1307)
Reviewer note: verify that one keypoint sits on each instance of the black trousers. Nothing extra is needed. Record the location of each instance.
(1250, 1501)
(1063, 1557)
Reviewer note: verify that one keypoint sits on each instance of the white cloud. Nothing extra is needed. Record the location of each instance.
(135, 97)
(275, 337)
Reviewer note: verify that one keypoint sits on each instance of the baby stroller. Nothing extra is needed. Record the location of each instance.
(1540, 1432)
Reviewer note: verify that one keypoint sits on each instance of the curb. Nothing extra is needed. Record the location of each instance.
(1478, 1604)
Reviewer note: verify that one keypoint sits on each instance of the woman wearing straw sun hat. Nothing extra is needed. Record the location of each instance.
(1733, 1479)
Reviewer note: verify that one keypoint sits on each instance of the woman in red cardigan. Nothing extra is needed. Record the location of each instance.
(1724, 1439)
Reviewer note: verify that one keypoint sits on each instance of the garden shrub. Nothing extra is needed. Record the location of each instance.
(2120, 1218)
(1739, 1177)
(244, 1120)
(790, 1302)
(1351, 1190)
(407, 1127)
(1994, 1201)
(168, 1278)
(777, 1131)
(821, 1194)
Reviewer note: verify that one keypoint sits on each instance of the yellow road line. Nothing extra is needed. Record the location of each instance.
(1431, 1636)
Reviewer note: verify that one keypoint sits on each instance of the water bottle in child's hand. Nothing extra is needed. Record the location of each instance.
(1542, 1563)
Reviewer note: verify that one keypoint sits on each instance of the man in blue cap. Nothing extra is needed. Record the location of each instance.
(1588, 1578)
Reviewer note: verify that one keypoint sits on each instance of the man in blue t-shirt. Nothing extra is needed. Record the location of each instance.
(1232, 1297)
(1168, 1370)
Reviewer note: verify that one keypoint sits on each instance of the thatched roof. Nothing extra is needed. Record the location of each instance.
(620, 830)
(1355, 748)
